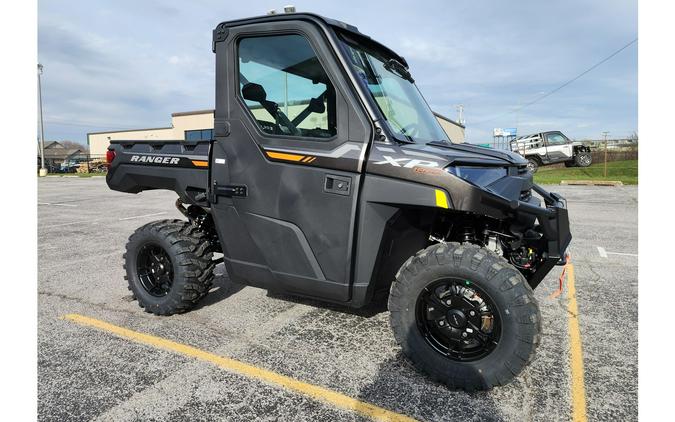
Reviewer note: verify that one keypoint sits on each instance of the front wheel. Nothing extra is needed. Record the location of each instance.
(464, 316)
(532, 165)
(583, 159)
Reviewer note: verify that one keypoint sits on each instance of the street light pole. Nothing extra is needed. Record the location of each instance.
(604, 134)
(43, 170)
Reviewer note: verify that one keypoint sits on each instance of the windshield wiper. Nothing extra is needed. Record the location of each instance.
(439, 142)
(407, 140)
(397, 67)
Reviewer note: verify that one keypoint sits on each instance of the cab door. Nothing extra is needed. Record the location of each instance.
(287, 160)
(558, 147)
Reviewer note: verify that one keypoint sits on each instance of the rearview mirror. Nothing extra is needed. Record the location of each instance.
(316, 105)
(254, 92)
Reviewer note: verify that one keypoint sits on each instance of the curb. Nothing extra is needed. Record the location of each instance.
(591, 182)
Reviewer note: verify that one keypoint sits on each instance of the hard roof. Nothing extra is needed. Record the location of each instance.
(220, 33)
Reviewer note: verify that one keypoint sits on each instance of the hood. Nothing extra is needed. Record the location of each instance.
(469, 154)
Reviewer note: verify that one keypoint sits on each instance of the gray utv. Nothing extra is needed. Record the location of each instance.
(329, 177)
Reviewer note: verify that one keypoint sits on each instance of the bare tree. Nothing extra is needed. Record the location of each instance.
(73, 145)
(633, 136)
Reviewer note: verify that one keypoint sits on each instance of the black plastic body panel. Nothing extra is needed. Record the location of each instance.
(174, 165)
(381, 199)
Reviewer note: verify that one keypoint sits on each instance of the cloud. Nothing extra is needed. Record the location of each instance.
(129, 63)
(427, 51)
(181, 60)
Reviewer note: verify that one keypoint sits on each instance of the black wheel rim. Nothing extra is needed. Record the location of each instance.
(155, 271)
(458, 319)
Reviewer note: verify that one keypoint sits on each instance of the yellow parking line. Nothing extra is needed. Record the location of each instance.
(314, 391)
(576, 354)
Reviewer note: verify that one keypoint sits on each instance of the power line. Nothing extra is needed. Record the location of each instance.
(553, 91)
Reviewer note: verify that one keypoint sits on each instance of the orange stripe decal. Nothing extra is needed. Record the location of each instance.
(200, 163)
(284, 156)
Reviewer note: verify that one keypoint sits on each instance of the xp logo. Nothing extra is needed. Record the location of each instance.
(407, 162)
(154, 159)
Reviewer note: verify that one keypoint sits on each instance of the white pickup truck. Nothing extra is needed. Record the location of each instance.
(553, 147)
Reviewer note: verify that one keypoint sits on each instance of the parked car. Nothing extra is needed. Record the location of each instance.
(69, 166)
(544, 148)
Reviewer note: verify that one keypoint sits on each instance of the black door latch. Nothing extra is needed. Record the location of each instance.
(228, 191)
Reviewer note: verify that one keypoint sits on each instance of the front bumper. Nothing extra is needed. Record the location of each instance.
(555, 228)
(509, 199)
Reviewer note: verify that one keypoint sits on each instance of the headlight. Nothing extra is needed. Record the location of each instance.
(481, 176)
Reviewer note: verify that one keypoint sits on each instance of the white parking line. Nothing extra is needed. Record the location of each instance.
(623, 254)
(142, 216)
(604, 254)
(602, 251)
(49, 226)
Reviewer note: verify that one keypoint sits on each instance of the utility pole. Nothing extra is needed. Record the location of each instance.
(604, 134)
(43, 170)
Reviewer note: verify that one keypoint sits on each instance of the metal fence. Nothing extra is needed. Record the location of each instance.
(81, 163)
(613, 155)
(615, 152)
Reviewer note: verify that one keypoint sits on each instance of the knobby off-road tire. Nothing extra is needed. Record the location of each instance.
(188, 262)
(509, 293)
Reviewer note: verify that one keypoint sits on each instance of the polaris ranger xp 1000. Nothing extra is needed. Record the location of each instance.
(329, 177)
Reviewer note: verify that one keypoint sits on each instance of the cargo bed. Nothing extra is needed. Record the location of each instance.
(181, 166)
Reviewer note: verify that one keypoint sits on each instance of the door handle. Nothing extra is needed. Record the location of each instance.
(340, 185)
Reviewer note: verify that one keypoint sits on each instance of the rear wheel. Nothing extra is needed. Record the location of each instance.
(583, 159)
(168, 266)
(532, 165)
(464, 316)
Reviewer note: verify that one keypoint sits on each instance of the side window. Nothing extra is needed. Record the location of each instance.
(556, 139)
(285, 87)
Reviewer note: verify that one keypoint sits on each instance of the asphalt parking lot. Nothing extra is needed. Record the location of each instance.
(86, 373)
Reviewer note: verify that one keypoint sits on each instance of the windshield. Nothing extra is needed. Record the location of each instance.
(391, 86)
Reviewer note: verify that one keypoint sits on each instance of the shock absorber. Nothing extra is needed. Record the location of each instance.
(468, 234)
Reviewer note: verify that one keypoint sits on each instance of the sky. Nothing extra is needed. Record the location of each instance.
(111, 65)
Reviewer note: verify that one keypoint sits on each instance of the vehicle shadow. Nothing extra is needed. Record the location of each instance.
(375, 307)
(223, 287)
(400, 388)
